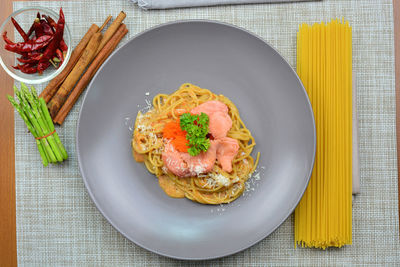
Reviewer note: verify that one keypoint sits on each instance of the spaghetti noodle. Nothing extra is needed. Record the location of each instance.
(215, 187)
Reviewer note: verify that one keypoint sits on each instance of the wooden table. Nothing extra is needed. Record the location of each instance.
(8, 246)
(8, 237)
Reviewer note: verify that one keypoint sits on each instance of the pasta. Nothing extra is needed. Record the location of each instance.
(215, 187)
(323, 217)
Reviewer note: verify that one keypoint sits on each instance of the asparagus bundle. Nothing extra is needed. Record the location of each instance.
(34, 112)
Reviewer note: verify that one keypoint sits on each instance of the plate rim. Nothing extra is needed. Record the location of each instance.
(79, 159)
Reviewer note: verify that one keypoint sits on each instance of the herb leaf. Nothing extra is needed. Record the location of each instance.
(196, 127)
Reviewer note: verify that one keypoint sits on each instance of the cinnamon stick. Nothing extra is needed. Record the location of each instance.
(105, 23)
(111, 30)
(52, 87)
(62, 93)
(91, 71)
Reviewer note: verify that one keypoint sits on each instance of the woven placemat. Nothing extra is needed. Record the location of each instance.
(57, 223)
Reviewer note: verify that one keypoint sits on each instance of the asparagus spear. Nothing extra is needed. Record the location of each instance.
(45, 111)
(50, 123)
(16, 91)
(28, 112)
(34, 112)
(43, 125)
(42, 152)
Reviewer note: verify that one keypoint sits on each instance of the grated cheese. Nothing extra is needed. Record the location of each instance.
(164, 169)
(222, 180)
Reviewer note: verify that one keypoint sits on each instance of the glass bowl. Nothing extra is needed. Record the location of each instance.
(25, 17)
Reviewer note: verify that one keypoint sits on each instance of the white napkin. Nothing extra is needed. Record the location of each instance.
(164, 4)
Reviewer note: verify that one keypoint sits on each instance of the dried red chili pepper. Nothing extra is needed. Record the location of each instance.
(47, 29)
(32, 28)
(20, 30)
(27, 60)
(43, 66)
(63, 46)
(30, 58)
(5, 38)
(52, 23)
(34, 55)
(31, 45)
(26, 68)
(60, 56)
(54, 44)
(38, 28)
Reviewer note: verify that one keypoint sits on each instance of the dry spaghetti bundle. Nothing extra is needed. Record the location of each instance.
(323, 217)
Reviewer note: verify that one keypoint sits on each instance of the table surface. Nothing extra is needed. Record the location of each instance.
(8, 248)
(8, 241)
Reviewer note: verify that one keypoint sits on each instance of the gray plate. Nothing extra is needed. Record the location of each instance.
(226, 60)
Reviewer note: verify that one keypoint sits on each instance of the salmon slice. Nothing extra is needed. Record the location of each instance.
(227, 150)
(210, 107)
(203, 162)
(220, 123)
(173, 160)
(184, 165)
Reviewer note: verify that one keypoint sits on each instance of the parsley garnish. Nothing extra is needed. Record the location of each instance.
(196, 127)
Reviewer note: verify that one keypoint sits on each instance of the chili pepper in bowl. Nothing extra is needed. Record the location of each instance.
(27, 68)
(53, 24)
(29, 46)
(32, 28)
(50, 21)
(28, 60)
(20, 30)
(60, 56)
(47, 29)
(54, 44)
(31, 57)
(5, 38)
(38, 51)
(38, 28)
(63, 46)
